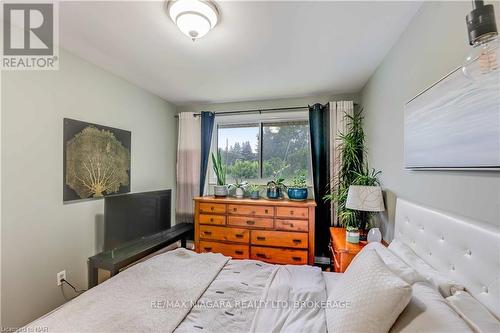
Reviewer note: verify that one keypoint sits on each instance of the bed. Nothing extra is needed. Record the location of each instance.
(437, 263)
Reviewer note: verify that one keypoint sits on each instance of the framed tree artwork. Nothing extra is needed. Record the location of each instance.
(96, 160)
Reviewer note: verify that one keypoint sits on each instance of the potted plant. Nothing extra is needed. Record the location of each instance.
(298, 188)
(239, 188)
(275, 188)
(351, 226)
(220, 190)
(254, 191)
(352, 235)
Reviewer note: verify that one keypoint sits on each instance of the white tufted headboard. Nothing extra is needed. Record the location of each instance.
(468, 251)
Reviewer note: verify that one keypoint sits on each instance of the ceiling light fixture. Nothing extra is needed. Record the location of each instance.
(483, 59)
(194, 18)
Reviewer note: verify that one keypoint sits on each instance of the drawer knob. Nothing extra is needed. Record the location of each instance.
(212, 208)
(211, 219)
(266, 211)
(297, 241)
(238, 252)
(291, 212)
(296, 258)
(261, 238)
(235, 209)
(207, 232)
(253, 211)
(250, 222)
(261, 255)
(239, 236)
(208, 248)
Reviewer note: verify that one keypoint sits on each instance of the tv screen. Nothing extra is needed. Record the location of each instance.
(133, 216)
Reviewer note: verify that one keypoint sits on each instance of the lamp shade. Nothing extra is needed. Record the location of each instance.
(365, 198)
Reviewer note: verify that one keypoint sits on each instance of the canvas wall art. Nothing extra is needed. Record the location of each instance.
(455, 124)
(96, 160)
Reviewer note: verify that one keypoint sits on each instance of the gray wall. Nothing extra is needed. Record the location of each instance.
(40, 235)
(434, 43)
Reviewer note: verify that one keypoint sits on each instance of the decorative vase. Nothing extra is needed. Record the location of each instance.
(273, 191)
(220, 190)
(297, 193)
(240, 192)
(255, 195)
(352, 236)
(374, 235)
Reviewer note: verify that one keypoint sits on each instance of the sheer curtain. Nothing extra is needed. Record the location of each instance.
(188, 165)
(338, 124)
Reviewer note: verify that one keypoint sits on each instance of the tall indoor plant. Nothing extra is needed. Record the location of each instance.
(353, 171)
(220, 190)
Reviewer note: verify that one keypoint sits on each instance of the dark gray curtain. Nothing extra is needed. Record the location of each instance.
(319, 126)
(207, 126)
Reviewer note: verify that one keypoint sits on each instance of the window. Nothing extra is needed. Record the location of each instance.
(261, 151)
(285, 149)
(239, 147)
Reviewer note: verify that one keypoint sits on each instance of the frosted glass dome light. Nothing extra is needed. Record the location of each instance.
(194, 18)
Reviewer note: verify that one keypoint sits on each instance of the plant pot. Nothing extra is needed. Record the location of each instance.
(255, 195)
(274, 193)
(352, 236)
(220, 190)
(297, 193)
(240, 192)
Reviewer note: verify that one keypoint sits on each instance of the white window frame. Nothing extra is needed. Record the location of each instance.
(250, 119)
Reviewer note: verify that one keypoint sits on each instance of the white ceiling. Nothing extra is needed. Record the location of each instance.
(259, 50)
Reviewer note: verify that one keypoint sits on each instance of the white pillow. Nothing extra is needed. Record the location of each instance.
(428, 312)
(395, 264)
(367, 298)
(441, 281)
(474, 313)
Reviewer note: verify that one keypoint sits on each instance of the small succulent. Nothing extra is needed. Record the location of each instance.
(298, 181)
(253, 188)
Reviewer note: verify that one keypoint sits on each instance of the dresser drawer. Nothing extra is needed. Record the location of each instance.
(206, 207)
(212, 219)
(293, 212)
(236, 251)
(224, 234)
(292, 225)
(250, 221)
(279, 238)
(279, 256)
(251, 210)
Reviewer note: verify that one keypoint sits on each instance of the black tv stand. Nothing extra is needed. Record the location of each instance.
(116, 259)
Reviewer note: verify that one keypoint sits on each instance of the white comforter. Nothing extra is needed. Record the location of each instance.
(252, 296)
(234, 296)
(152, 296)
(294, 301)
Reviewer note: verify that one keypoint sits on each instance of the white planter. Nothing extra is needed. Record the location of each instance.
(352, 237)
(220, 190)
(240, 192)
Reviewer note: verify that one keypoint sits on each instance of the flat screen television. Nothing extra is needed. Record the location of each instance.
(132, 216)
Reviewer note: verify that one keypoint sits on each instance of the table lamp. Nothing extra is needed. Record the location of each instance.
(365, 199)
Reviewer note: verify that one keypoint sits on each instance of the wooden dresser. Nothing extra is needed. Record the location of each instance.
(279, 232)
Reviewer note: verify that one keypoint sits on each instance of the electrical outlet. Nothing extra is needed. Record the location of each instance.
(61, 276)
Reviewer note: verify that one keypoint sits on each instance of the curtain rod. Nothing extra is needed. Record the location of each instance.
(228, 113)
